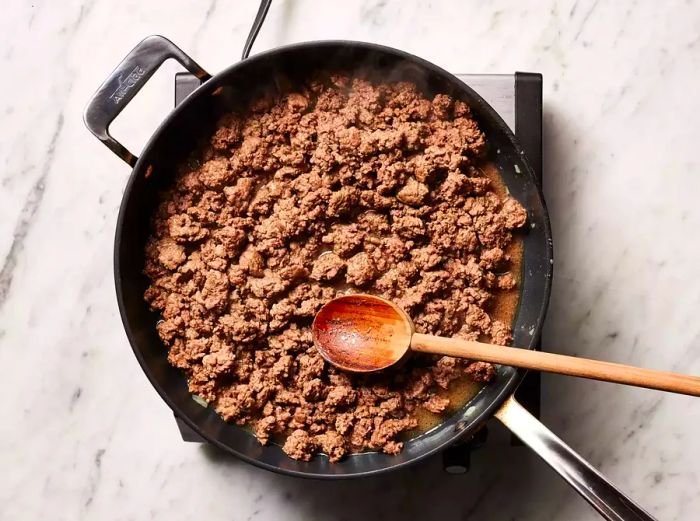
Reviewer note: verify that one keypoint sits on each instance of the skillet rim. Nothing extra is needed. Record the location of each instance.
(508, 386)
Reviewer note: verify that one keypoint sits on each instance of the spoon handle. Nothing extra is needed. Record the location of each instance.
(560, 364)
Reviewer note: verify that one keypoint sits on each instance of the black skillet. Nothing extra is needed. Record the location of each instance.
(195, 119)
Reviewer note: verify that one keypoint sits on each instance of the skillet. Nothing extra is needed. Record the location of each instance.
(195, 119)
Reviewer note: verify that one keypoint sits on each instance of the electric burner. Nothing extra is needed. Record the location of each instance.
(518, 100)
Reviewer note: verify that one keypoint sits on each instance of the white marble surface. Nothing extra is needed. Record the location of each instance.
(82, 433)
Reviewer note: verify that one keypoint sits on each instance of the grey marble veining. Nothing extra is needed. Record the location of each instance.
(84, 436)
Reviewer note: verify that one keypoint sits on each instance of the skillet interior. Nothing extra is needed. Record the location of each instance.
(195, 119)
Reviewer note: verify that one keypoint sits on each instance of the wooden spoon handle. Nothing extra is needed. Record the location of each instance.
(560, 364)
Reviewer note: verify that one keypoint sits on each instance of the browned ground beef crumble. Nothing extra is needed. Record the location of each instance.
(342, 185)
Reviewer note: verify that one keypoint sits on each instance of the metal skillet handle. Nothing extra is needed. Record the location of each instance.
(587, 481)
(125, 82)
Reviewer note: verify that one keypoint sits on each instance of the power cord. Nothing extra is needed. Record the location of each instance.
(257, 24)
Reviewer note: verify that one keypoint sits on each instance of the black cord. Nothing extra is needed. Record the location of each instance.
(257, 24)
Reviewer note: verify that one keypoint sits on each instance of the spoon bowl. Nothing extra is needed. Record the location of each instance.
(362, 333)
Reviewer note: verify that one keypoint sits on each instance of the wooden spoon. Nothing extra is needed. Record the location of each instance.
(364, 333)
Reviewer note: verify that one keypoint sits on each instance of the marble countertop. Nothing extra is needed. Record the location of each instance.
(84, 436)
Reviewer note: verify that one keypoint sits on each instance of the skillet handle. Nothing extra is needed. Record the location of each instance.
(126, 81)
(587, 481)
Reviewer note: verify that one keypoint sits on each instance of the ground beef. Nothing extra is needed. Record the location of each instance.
(436, 404)
(333, 444)
(341, 185)
(299, 445)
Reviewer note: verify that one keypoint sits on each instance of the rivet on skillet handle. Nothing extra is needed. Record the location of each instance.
(126, 81)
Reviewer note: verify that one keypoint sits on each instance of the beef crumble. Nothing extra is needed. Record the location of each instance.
(342, 185)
